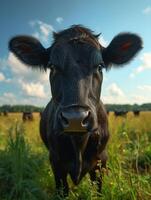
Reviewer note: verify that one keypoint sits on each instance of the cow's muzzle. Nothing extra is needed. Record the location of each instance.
(75, 119)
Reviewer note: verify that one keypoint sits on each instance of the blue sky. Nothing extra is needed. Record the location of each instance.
(21, 85)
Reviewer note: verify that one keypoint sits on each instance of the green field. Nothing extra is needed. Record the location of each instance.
(25, 172)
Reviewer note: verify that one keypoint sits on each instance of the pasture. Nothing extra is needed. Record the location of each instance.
(25, 171)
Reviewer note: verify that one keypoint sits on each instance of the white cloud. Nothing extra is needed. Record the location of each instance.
(145, 88)
(25, 73)
(42, 30)
(146, 59)
(2, 77)
(7, 98)
(147, 10)
(45, 29)
(107, 99)
(27, 81)
(33, 89)
(114, 94)
(146, 64)
(9, 95)
(114, 90)
(102, 41)
(16, 66)
(139, 99)
(12, 99)
(59, 20)
(32, 101)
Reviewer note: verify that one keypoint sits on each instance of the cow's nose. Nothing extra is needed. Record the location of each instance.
(75, 121)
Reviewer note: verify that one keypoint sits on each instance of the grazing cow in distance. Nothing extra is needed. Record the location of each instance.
(119, 113)
(136, 112)
(108, 112)
(5, 113)
(27, 116)
(74, 125)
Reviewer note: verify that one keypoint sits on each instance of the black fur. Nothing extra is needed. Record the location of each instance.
(30, 51)
(114, 54)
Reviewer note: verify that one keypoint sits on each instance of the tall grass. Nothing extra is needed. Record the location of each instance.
(25, 172)
(19, 168)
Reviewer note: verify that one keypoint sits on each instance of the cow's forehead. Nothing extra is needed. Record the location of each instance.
(65, 52)
(78, 33)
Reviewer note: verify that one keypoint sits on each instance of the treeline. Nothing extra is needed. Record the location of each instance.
(109, 107)
(128, 107)
(20, 108)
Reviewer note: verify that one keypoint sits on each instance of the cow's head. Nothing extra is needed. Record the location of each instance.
(76, 59)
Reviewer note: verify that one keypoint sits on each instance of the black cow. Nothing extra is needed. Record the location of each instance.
(108, 112)
(27, 116)
(121, 113)
(5, 113)
(74, 124)
(136, 112)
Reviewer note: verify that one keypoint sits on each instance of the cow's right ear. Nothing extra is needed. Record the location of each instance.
(30, 51)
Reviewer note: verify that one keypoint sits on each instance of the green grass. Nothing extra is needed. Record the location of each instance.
(19, 168)
(25, 172)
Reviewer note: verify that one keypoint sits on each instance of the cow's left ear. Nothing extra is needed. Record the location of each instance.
(30, 51)
(122, 49)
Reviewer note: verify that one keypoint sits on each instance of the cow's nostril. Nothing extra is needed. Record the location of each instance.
(85, 121)
(64, 121)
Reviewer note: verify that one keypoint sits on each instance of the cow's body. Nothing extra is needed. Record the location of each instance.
(74, 160)
(5, 113)
(121, 113)
(27, 116)
(74, 124)
(136, 112)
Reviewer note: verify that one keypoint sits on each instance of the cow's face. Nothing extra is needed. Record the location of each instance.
(76, 73)
(76, 60)
(76, 78)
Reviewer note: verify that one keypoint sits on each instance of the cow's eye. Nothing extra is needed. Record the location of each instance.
(100, 67)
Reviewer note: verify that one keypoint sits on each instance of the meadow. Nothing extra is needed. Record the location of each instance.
(25, 172)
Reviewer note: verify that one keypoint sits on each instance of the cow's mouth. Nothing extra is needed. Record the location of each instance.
(75, 125)
(80, 132)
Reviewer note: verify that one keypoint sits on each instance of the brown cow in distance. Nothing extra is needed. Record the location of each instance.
(74, 125)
